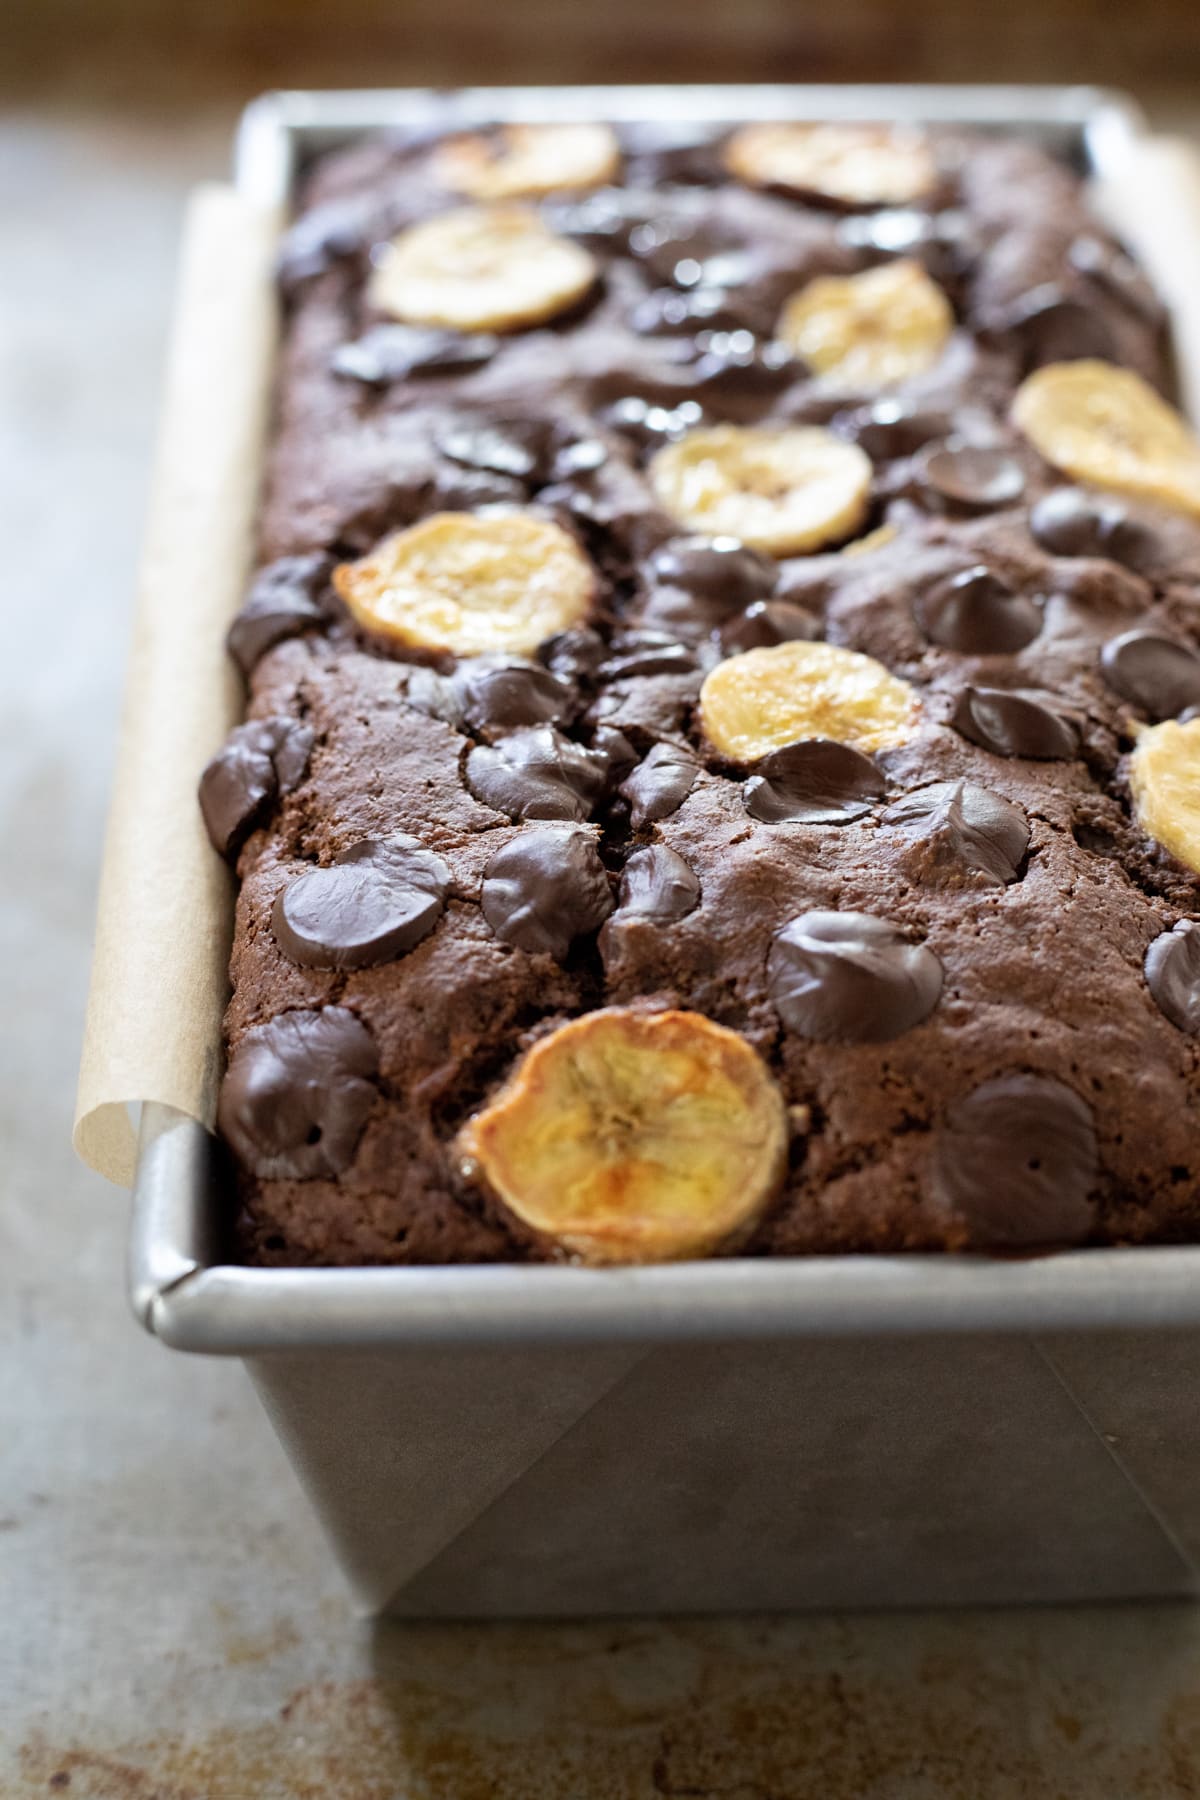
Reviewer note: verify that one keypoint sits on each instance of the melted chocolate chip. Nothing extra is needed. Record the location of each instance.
(850, 978)
(1173, 975)
(583, 456)
(643, 653)
(768, 622)
(373, 903)
(258, 762)
(435, 695)
(455, 489)
(657, 887)
(1070, 523)
(322, 236)
(619, 754)
(813, 782)
(1048, 325)
(1016, 1161)
(722, 569)
(660, 784)
(891, 428)
(668, 312)
(1156, 673)
(960, 834)
(1016, 723)
(297, 1093)
(502, 447)
(281, 603)
(976, 476)
(650, 424)
(977, 613)
(1109, 267)
(389, 353)
(544, 889)
(503, 693)
(537, 774)
(574, 655)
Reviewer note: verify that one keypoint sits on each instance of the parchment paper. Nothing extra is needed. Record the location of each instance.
(163, 917)
(1155, 206)
(162, 933)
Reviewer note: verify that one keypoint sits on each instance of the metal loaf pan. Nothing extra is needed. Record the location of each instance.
(736, 1434)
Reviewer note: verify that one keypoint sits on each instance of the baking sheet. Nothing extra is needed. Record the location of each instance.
(159, 973)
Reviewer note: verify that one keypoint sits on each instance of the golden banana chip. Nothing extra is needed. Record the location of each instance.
(1164, 773)
(854, 165)
(633, 1137)
(868, 332)
(471, 583)
(524, 161)
(480, 268)
(765, 698)
(784, 489)
(1107, 426)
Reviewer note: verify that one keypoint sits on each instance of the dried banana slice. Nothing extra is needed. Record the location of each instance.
(635, 1137)
(765, 698)
(524, 161)
(853, 165)
(783, 490)
(1107, 426)
(868, 331)
(1164, 773)
(480, 268)
(470, 583)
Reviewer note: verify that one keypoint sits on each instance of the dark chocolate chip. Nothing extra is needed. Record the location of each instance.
(850, 978)
(325, 235)
(394, 352)
(648, 423)
(768, 622)
(960, 833)
(1070, 523)
(435, 695)
(1109, 267)
(660, 784)
(372, 904)
(502, 447)
(1048, 325)
(297, 1093)
(617, 751)
(1156, 673)
(502, 693)
(891, 428)
(537, 773)
(583, 456)
(657, 886)
(977, 613)
(714, 568)
(545, 889)
(281, 603)
(574, 655)
(1016, 1161)
(645, 653)
(1016, 723)
(455, 489)
(976, 476)
(667, 311)
(813, 782)
(1173, 975)
(259, 761)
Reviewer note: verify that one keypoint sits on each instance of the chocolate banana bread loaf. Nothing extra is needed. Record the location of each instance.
(721, 768)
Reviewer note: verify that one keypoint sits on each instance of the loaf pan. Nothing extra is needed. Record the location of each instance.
(726, 1435)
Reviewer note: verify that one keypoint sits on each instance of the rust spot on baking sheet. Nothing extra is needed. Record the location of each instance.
(742, 1710)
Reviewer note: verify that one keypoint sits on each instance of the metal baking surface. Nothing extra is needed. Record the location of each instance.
(850, 1431)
